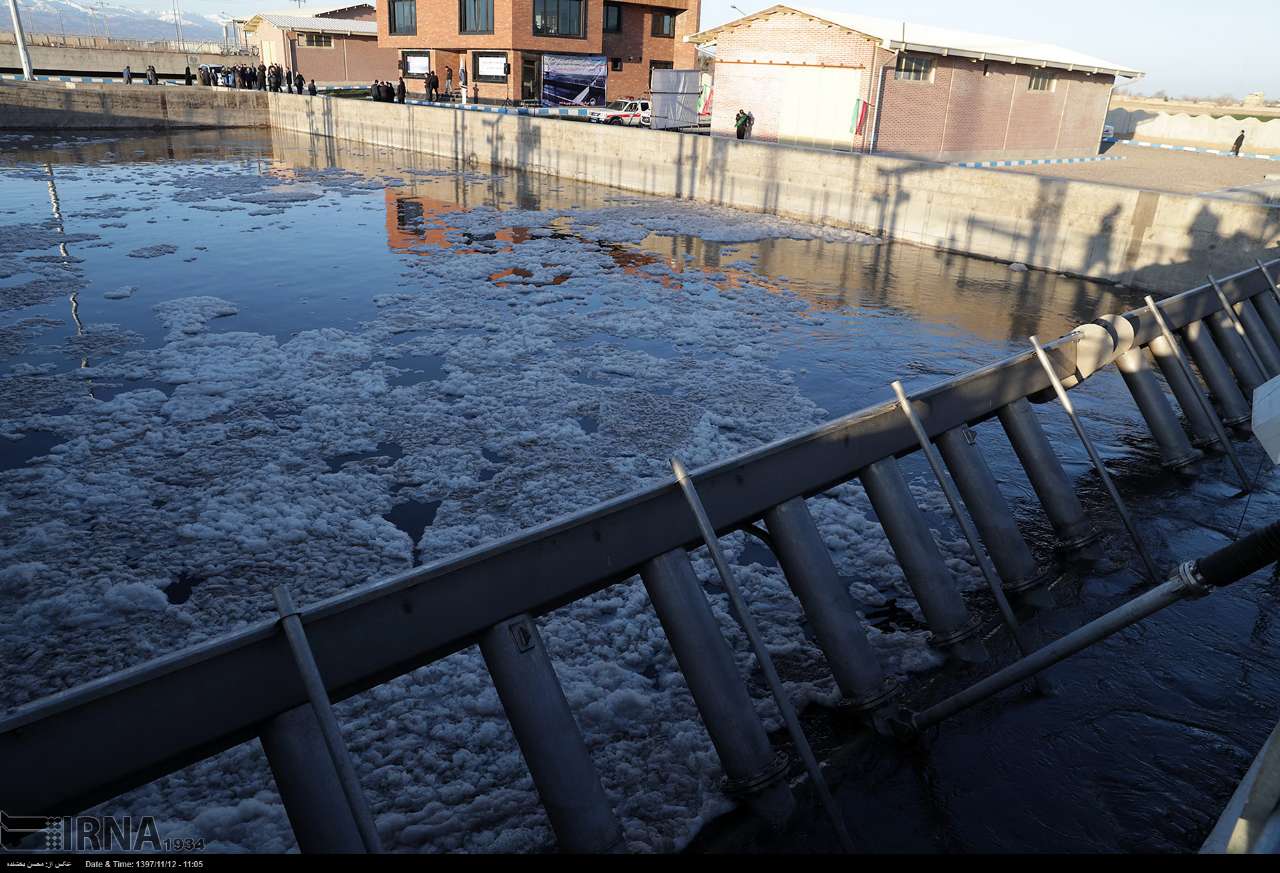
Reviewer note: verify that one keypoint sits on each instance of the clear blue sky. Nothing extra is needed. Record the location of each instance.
(1185, 46)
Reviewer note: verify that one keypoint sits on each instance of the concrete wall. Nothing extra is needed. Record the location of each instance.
(1204, 130)
(1157, 241)
(76, 106)
(108, 62)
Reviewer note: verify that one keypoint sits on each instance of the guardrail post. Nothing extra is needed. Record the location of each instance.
(1214, 371)
(308, 784)
(990, 511)
(1204, 434)
(812, 576)
(1176, 451)
(1050, 481)
(549, 738)
(753, 772)
(1236, 353)
(930, 580)
(1259, 336)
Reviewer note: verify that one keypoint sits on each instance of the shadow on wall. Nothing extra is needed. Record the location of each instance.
(43, 106)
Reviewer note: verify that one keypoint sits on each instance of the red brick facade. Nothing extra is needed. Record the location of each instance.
(964, 109)
(635, 47)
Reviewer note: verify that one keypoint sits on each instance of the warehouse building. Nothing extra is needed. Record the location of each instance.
(552, 52)
(849, 81)
(333, 45)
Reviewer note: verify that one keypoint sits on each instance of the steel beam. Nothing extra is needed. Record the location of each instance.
(549, 738)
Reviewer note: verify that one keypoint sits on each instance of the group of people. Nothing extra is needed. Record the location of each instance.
(433, 83)
(384, 92)
(247, 77)
(153, 78)
(743, 122)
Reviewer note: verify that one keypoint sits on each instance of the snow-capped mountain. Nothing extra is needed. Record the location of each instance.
(108, 19)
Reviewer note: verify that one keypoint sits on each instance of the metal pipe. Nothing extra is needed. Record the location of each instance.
(313, 682)
(752, 770)
(1201, 400)
(1195, 407)
(309, 784)
(1049, 480)
(930, 580)
(1175, 589)
(20, 38)
(549, 738)
(1259, 336)
(1114, 494)
(1268, 306)
(1266, 274)
(966, 525)
(1235, 343)
(743, 615)
(831, 612)
(990, 511)
(1222, 385)
(1176, 451)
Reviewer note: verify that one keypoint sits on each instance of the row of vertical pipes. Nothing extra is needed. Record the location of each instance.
(1234, 352)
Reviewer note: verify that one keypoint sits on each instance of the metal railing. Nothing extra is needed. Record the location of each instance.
(68, 751)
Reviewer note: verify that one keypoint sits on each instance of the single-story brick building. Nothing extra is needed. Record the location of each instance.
(849, 81)
(333, 45)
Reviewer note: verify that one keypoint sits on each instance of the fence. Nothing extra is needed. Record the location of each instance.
(85, 745)
(63, 40)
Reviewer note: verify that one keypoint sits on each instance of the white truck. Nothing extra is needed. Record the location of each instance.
(631, 112)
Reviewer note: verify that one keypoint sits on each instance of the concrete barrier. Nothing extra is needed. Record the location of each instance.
(1220, 132)
(80, 106)
(111, 60)
(1149, 239)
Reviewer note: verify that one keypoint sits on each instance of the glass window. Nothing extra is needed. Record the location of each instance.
(664, 24)
(319, 40)
(558, 18)
(1041, 80)
(475, 16)
(403, 19)
(914, 68)
(612, 18)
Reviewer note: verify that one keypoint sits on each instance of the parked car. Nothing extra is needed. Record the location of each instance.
(631, 112)
(1108, 131)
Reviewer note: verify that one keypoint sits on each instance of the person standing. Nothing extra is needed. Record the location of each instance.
(448, 83)
(1239, 143)
(400, 91)
(433, 86)
(740, 123)
(311, 88)
(187, 77)
(152, 77)
(262, 77)
(127, 75)
(299, 82)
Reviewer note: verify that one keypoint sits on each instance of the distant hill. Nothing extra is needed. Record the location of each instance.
(107, 19)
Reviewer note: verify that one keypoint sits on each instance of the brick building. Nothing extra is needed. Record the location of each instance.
(332, 45)
(506, 45)
(841, 80)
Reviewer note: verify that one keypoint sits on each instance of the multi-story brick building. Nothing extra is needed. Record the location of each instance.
(333, 45)
(505, 45)
(856, 82)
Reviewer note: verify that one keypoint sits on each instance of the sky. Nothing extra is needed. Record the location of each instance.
(1199, 48)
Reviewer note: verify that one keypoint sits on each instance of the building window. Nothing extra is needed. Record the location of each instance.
(664, 24)
(615, 64)
(914, 68)
(319, 40)
(475, 16)
(403, 17)
(612, 18)
(1041, 80)
(558, 18)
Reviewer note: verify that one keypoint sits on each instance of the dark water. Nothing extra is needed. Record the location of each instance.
(1143, 739)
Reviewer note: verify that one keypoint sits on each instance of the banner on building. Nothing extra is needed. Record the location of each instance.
(574, 80)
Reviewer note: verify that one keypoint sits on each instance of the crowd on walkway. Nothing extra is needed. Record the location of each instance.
(245, 77)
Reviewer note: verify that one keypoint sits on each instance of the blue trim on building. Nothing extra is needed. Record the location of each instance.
(1035, 162)
(1224, 153)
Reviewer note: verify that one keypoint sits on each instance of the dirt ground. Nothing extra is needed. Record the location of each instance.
(1174, 172)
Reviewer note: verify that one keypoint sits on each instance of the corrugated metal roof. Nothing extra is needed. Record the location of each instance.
(897, 34)
(308, 24)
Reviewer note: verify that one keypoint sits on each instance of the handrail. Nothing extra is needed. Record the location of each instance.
(84, 745)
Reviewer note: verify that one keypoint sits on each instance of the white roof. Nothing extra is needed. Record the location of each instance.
(896, 34)
(313, 11)
(308, 24)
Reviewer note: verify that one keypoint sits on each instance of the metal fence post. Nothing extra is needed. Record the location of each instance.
(1204, 431)
(753, 771)
(990, 511)
(309, 785)
(944, 609)
(1176, 452)
(1214, 370)
(549, 738)
(812, 576)
(1050, 481)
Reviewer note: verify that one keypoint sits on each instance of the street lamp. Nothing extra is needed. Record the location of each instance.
(20, 37)
(739, 11)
